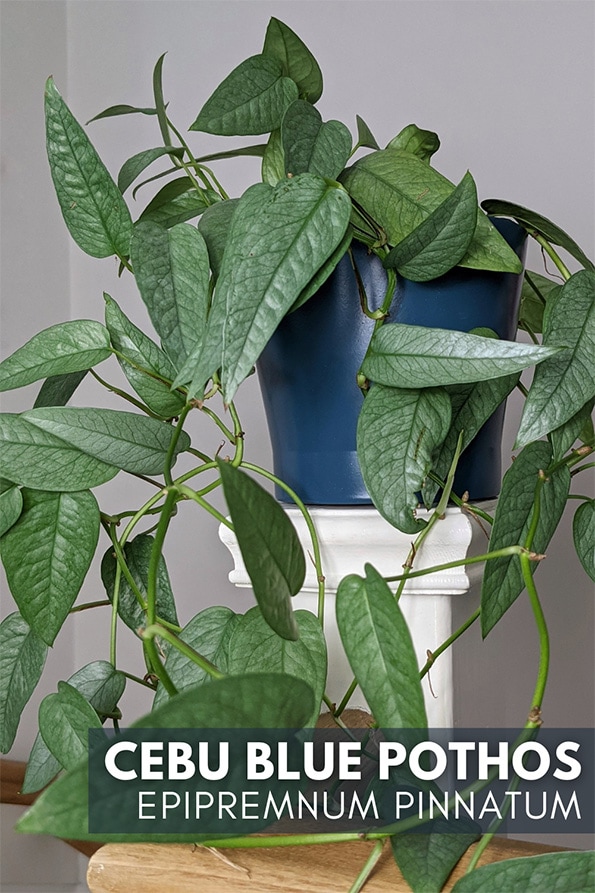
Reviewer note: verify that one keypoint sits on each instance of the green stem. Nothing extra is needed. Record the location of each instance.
(461, 562)
(368, 868)
(171, 451)
(125, 396)
(88, 605)
(544, 644)
(541, 240)
(363, 298)
(220, 424)
(137, 679)
(114, 618)
(189, 493)
(157, 630)
(582, 468)
(448, 642)
(346, 698)
(238, 436)
(466, 506)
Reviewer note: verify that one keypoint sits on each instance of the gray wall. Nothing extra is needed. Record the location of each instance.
(509, 88)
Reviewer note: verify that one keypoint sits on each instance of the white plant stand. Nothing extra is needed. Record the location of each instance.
(353, 535)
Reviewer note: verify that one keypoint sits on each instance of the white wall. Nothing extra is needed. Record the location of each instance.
(508, 86)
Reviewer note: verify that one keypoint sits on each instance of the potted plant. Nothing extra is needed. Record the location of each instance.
(217, 293)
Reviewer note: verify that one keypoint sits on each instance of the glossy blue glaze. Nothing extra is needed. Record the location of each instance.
(307, 371)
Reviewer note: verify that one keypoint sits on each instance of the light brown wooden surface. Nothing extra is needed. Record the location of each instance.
(150, 868)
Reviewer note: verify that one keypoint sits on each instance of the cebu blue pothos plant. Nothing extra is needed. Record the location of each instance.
(215, 291)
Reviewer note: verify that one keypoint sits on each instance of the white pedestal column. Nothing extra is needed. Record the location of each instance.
(352, 536)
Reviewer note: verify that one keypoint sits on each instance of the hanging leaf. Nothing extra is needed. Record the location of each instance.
(270, 547)
(564, 437)
(177, 202)
(58, 389)
(427, 859)
(298, 63)
(365, 137)
(132, 168)
(311, 145)
(92, 205)
(397, 434)
(537, 291)
(115, 110)
(324, 272)
(571, 873)
(47, 554)
(22, 658)
(379, 647)
(64, 722)
(584, 536)
(273, 160)
(11, 506)
(423, 143)
(214, 228)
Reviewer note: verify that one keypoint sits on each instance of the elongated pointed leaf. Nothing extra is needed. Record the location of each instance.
(255, 648)
(252, 99)
(130, 441)
(426, 860)
(35, 458)
(397, 433)
(47, 554)
(67, 347)
(423, 143)
(64, 722)
(298, 63)
(312, 145)
(537, 291)
(566, 382)
(214, 228)
(115, 110)
(419, 357)
(92, 205)
(441, 240)
(134, 167)
(209, 633)
(379, 647)
(177, 202)
(584, 536)
(172, 273)
(503, 579)
(11, 506)
(571, 873)
(270, 547)
(273, 160)
(58, 389)
(22, 657)
(365, 137)
(137, 347)
(138, 555)
(324, 272)
(399, 190)
(564, 437)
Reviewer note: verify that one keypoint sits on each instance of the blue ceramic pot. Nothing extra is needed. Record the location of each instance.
(307, 371)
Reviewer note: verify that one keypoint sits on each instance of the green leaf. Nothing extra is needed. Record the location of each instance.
(138, 555)
(399, 191)
(64, 722)
(58, 389)
(397, 434)
(311, 145)
(441, 241)
(133, 442)
(132, 168)
(92, 205)
(67, 347)
(423, 143)
(255, 648)
(533, 221)
(583, 530)
(565, 382)
(209, 633)
(419, 357)
(115, 110)
(503, 579)
(379, 647)
(273, 160)
(177, 202)
(214, 228)
(270, 547)
(137, 347)
(34, 458)
(102, 687)
(365, 137)
(426, 860)
(570, 872)
(563, 438)
(22, 657)
(297, 226)
(47, 554)
(172, 273)
(11, 506)
(324, 272)
(537, 291)
(298, 63)
(252, 99)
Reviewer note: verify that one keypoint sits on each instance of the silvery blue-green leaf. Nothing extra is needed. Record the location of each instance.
(209, 633)
(270, 547)
(137, 553)
(58, 389)
(570, 872)
(503, 579)
(34, 458)
(298, 63)
(564, 437)
(252, 99)
(297, 226)
(419, 357)
(67, 347)
(531, 220)
(214, 228)
(11, 506)
(130, 441)
(172, 273)
(426, 859)
(325, 271)
(256, 648)
(311, 145)
(584, 536)
(132, 168)
(273, 160)
(47, 554)
(137, 347)
(177, 202)
(397, 433)
(22, 657)
(92, 205)
(365, 137)
(378, 644)
(399, 190)
(441, 240)
(536, 292)
(423, 143)
(64, 722)
(563, 385)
